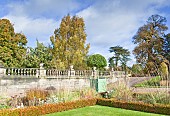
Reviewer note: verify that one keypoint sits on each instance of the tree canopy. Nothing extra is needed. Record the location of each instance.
(37, 55)
(121, 56)
(13, 45)
(97, 60)
(149, 39)
(68, 43)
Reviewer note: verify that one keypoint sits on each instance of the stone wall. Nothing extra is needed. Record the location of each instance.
(16, 86)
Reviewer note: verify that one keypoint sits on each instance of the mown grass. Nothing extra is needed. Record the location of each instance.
(101, 111)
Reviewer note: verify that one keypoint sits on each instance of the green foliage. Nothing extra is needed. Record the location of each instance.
(68, 43)
(97, 61)
(12, 47)
(137, 70)
(153, 98)
(120, 55)
(149, 40)
(37, 55)
(4, 106)
(154, 82)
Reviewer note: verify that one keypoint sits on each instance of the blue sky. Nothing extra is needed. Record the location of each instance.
(108, 22)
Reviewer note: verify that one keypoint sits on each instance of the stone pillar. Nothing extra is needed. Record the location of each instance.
(71, 72)
(42, 71)
(94, 72)
(2, 70)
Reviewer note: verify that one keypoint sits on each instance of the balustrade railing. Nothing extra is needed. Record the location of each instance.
(41, 72)
(85, 73)
(104, 73)
(22, 71)
(55, 72)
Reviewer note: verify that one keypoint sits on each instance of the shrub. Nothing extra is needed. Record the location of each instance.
(152, 82)
(36, 93)
(139, 106)
(96, 60)
(52, 108)
(153, 98)
(48, 108)
(122, 92)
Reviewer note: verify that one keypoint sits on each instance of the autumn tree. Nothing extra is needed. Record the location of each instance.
(120, 55)
(97, 60)
(149, 40)
(12, 45)
(68, 43)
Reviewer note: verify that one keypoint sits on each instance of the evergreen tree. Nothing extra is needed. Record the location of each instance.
(121, 55)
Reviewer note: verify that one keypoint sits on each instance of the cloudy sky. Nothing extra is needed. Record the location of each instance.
(108, 22)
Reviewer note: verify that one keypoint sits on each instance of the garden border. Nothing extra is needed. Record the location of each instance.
(59, 107)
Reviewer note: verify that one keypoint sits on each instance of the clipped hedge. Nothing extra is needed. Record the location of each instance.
(138, 106)
(52, 108)
(48, 108)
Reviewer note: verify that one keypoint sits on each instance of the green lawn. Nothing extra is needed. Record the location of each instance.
(101, 111)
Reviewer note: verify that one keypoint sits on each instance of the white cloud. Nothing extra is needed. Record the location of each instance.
(114, 22)
(40, 28)
(108, 23)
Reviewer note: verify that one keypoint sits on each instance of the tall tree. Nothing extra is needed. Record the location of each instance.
(149, 40)
(68, 43)
(12, 45)
(121, 55)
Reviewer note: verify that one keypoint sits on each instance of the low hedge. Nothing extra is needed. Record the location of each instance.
(48, 108)
(52, 108)
(138, 106)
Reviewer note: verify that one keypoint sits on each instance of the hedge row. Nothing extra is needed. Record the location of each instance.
(48, 108)
(51, 108)
(138, 106)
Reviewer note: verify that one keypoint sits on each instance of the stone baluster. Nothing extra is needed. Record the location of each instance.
(94, 72)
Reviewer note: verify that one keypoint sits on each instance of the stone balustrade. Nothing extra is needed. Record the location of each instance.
(22, 71)
(54, 73)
